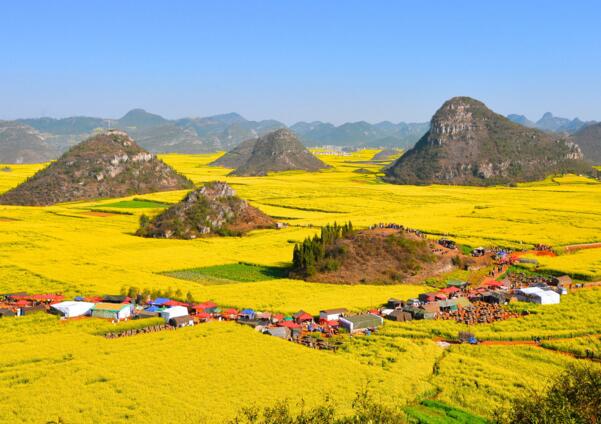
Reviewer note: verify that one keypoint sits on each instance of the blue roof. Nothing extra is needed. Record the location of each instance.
(153, 309)
(247, 311)
(79, 298)
(160, 301)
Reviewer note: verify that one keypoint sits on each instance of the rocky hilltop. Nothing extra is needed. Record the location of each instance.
(383, 255)
(238, 156)
(213, 209)
(589, 140)
(21, 143)
(279, 151)
(110, 164)
(468, 144)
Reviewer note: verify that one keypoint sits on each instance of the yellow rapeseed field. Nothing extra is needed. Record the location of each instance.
(51, 370)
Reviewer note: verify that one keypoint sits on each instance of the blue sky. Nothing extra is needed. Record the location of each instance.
(299, 60)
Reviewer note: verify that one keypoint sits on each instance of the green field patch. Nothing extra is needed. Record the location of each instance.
(435, 412)
(134, 204)
(230, 273)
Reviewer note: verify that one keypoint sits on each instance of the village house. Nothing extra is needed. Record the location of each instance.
(115, 311)
(181, 321)
(332, 314)
(400, 315)
(174, 312)
(302, 316)
(361, 322)
(71, 309)
(394, 303)
(538, 295)
(281, 332)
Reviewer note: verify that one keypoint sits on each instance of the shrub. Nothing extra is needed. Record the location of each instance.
(572, 397)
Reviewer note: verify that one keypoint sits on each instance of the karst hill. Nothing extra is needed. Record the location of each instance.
(213, 209)
(278, 151)
(106, 165)
(469, 144)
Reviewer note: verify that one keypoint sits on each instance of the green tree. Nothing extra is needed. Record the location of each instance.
(574, 396)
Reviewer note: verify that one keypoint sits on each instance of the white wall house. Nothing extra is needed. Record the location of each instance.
(539, 295)
(332, 314)
(174, 312)
(70, 309)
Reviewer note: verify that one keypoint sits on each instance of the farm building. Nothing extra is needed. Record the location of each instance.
(450, 291)
(33, 309)
(174, 312)
(400, 315)
(147, 314)
(394, 303)
(281, 332)
(160, 301)
(457, 283)
(332, 314)
(361, 322)
(302, 316)
(247, 314)
(538, 295)
(449, 305)
(117, 311)
(181, 321)
(494, 298)
(230, 313)
(70, 309)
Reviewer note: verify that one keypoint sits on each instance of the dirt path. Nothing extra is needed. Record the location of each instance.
(576, 247)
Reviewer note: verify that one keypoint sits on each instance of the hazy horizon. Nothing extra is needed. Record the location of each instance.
(291, 61)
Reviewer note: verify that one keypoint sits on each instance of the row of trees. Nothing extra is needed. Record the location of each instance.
(143, 295)
(309, 254)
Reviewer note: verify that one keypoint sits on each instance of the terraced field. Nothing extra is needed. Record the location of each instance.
(75, 249)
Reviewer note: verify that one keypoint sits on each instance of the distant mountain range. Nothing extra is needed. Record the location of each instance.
(42, 139)
(193, 135)
(551, 123)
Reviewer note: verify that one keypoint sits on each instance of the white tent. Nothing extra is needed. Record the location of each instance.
(539, 295)
(174, 312)
(70, 309)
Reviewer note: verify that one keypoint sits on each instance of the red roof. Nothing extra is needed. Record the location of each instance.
(203, 315)
(175, 303)
(491, 282)
(205, 305)
(333, 323)
(303, 317)
(440, 296)
(288, 324)
(21, 303)
(278, 317)
(450, 290)
(93, 299)
(230, 311)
